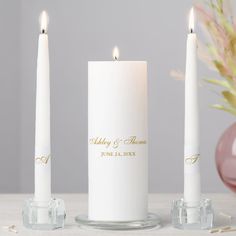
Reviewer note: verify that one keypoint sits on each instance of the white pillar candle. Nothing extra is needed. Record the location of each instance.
(117, 140)
(42, 119)
(191, 152)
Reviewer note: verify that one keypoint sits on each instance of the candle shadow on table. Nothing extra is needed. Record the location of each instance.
(165, 220)
(71, 226)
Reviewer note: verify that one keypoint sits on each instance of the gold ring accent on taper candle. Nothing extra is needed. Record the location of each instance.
(192, 159)
(42, 159)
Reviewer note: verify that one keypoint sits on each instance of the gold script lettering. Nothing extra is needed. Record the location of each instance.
(191, 160)
(134, 140)
(100, 141)
(113, 146)
(42, 159)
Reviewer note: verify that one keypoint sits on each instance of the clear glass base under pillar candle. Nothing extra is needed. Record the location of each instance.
(44, 215)
(192, 217)
(151, 221)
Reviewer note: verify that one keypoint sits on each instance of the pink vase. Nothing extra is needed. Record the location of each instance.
(226, 157)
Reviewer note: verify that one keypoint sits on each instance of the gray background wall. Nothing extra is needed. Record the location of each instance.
(87, 30)
(10, 96)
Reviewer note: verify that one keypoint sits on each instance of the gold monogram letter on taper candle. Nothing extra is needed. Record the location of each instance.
(42, 159)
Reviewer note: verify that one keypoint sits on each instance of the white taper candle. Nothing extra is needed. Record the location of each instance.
(42, 119)
(191, 138)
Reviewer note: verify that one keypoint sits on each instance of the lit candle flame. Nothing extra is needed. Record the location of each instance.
(43, 19)
(116, 53)
(191, 20)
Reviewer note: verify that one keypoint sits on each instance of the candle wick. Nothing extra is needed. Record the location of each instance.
(191, 31)
(43, 31)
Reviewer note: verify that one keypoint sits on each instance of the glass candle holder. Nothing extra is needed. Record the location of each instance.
(47, 215)
(192, 217)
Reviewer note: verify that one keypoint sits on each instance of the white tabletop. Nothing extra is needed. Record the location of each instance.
(11, 205)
